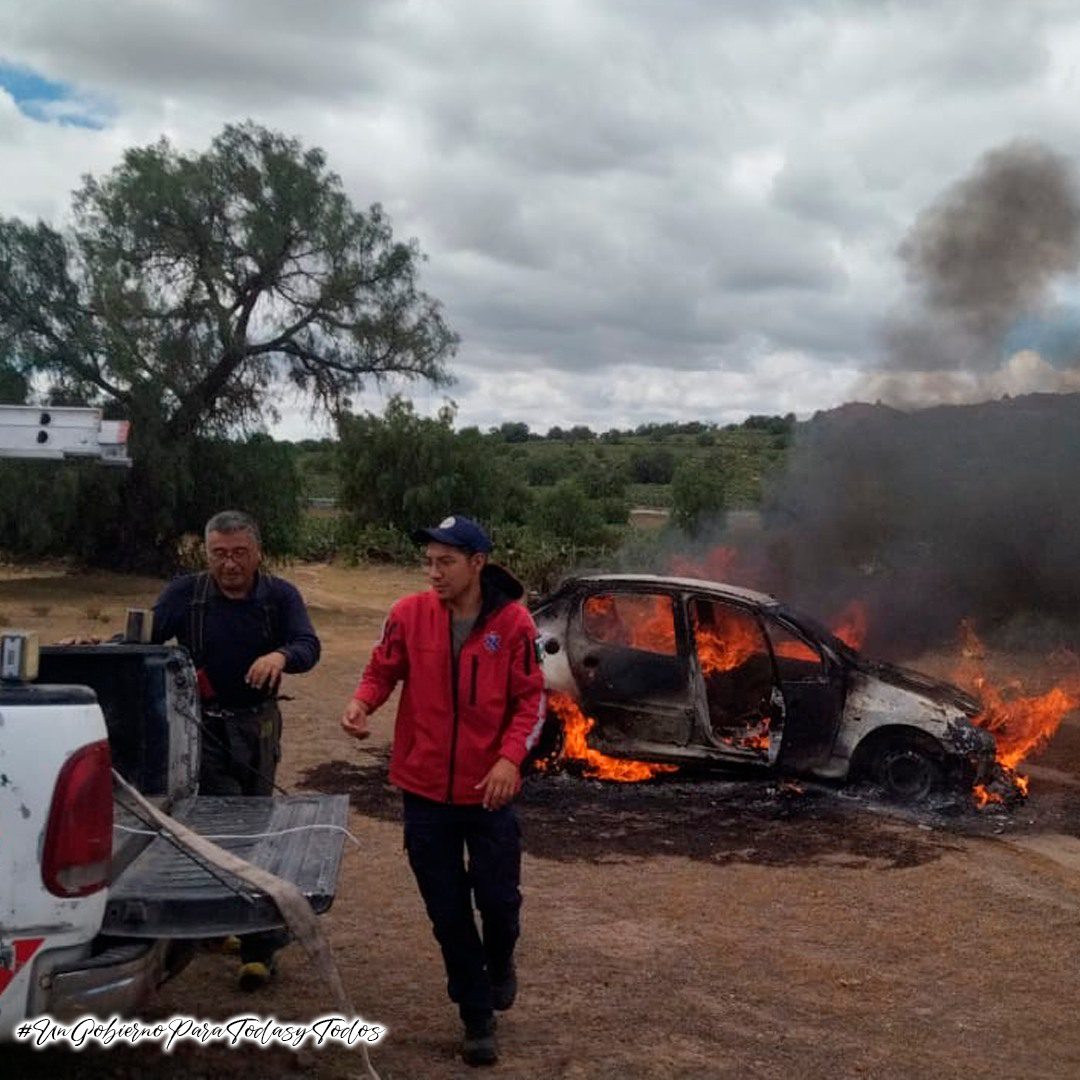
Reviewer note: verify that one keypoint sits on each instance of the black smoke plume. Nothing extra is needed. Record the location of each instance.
(951, 511)
(986, 253)
(929, 518)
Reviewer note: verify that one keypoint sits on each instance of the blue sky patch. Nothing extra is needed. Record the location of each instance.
(1056, 337)
(48, 101)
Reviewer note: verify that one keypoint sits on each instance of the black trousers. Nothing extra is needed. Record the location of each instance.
(240, 751)
(239, 757)
(437, 838)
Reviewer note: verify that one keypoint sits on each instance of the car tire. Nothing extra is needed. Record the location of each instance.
(908, 770)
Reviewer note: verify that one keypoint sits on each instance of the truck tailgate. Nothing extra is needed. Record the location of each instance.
(169, 892)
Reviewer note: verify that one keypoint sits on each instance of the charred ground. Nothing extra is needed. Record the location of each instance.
(764, 821)
(570, 819)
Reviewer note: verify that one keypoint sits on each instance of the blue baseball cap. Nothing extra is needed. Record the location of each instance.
(456, 531)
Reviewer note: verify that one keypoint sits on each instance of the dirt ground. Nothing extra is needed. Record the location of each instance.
(682, 928)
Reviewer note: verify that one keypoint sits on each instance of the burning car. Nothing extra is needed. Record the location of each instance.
(680, 672)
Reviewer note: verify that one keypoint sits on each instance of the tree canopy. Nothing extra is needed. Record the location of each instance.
(190, 288)
(202, 278)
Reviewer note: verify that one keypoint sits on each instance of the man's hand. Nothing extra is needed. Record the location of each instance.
(354, 719)
(501, 784)
(265, 673)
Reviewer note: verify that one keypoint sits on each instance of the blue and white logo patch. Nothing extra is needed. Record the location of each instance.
(492, 642)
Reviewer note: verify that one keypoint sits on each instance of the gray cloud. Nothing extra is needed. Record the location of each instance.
(641, 194)
(198, 48)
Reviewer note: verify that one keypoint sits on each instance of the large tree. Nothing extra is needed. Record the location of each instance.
(190, 288)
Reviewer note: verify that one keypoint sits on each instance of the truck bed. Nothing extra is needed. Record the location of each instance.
(168, 892)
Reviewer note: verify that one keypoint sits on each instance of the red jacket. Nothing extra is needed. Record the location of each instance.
(445, 743)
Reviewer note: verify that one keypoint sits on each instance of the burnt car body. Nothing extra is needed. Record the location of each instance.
(687, 672)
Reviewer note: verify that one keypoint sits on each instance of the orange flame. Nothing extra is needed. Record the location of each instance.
(1021, 723)
(636, 621)
(732, 640)
(851, 624)
(576, 726)
(723, 564)
(755, 737)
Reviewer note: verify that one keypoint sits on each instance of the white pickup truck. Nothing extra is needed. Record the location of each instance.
(96, 908)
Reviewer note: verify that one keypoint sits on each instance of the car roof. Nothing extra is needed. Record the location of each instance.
(717, 588)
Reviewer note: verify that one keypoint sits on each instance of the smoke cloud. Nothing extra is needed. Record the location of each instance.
(928, 518)
(942, 514)
(986, 254)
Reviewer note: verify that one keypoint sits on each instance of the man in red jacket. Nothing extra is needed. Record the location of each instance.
(471, 709)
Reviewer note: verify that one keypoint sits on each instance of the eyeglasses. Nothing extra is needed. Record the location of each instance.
(237, 555)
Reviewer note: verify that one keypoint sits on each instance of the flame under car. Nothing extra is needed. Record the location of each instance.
(683, 672)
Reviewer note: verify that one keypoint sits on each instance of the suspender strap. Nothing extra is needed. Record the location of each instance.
(270, 620)
(199, 597)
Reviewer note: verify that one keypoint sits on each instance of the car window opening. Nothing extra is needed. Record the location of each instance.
(641, 621)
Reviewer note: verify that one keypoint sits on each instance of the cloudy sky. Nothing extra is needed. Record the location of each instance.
(633, 210)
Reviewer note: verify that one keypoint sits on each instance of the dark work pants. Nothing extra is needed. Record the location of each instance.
(239, 757)
(437, 837)
(240, 752)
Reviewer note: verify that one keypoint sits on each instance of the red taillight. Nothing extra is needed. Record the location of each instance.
(78, 841)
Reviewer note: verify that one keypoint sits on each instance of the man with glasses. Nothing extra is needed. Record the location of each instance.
(243, 628)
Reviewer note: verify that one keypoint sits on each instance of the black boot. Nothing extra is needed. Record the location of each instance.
(504, 989)
(479, 1047)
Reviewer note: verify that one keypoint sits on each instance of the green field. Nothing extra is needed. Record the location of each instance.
(747, 457)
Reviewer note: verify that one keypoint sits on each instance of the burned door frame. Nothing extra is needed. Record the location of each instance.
(814, 705)
(714, 743)
(630, 720)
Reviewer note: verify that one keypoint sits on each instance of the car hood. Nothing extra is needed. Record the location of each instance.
(938, 691)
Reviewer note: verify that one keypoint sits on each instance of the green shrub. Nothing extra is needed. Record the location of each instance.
(377, 543)
(651, 495)
(697, 493)
(401, 470)
(564, 513)
(538, 562)
(614, 509)
(601, 479)
(319, 538)
(652, 466)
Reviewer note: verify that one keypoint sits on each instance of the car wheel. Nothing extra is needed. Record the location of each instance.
(908, 771)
